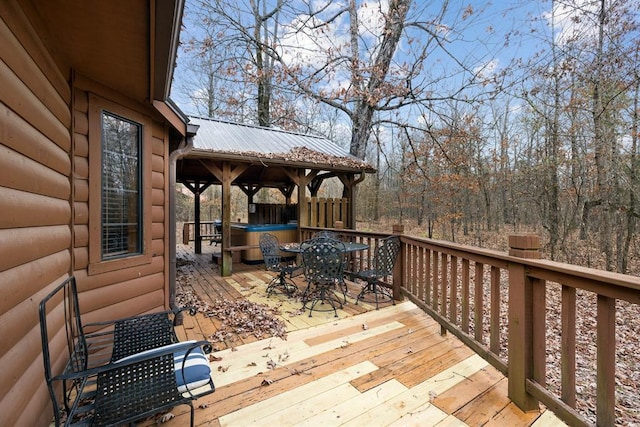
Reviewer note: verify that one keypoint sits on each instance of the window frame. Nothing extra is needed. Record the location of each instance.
(97, 264)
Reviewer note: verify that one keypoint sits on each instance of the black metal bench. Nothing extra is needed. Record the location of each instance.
(213, 238)
(120, 371)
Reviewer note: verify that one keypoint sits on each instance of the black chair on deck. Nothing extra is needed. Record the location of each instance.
(332, 235)
(270, 248)
(323, 263)
(381, 264)
(217, 234)
(117, 372)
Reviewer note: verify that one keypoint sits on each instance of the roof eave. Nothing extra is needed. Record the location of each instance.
(252, 159)
(168, 19)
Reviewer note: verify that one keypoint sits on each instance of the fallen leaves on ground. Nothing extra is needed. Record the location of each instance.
(243, 318)
(238, 319)
(283, 357)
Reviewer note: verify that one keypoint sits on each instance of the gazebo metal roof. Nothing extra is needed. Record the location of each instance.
(222, 138)
(216, 135)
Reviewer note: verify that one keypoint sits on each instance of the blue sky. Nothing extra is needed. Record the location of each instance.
(486, 36)
(475, 32)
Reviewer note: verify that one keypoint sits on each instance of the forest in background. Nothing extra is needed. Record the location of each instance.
(481, 119)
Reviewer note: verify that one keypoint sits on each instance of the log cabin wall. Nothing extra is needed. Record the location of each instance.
(46, 196)
(35, 209)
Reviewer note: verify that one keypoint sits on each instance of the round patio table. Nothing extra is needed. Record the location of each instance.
(321, 293)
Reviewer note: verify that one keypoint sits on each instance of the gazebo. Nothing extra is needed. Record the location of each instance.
(251, 158)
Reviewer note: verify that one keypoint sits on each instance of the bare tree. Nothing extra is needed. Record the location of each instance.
(227, 48)
(334, 55)
(610, 77)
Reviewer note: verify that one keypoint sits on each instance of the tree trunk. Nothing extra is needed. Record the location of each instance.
(366, 102)
(623, 255)
(376, 185)
(577, 175)
(264, 63)
(264, 90)
(601, 152)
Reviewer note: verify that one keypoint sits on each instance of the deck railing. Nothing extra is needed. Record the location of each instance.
(527, 317)
(207, 229)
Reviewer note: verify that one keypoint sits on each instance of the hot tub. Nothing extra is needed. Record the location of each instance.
(249, 234)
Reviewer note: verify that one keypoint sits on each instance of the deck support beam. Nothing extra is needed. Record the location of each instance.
(522, 322)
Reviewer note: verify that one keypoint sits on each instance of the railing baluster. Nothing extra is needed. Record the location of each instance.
(435, 281)
(494, 339)
(404, 253)
(415, 262)
(443, 284)
(453, 295)
(465, 295)
(421, 283)
(478, 304)
(568, 345)
(539, 330)
(409, 274)
(411, 254)
(606, 364)
(427, 287)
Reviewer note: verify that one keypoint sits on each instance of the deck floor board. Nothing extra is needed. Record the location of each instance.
(366, 368)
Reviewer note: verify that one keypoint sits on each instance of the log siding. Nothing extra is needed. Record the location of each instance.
(48, 159)
(35, 209)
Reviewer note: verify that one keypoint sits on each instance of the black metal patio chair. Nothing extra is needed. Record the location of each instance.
(270, 248)
(326, 234)
(323, 263)
(381, 264)
(120, 371)
(217, 234)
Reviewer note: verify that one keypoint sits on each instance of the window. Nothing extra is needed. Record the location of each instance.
(121, 192)
(120, 186)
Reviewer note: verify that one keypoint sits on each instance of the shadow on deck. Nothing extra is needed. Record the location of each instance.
(366, 368)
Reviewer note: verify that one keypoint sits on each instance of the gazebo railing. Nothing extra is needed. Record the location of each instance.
(207, 228)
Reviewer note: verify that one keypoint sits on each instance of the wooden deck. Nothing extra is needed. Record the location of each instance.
(366, 368)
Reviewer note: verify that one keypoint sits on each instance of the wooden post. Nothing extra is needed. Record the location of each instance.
(521, 321)
(302, 179)
(226, 265)
(606, 361)
(185, 233)
(339, 225)
(198, 242)
(399, 267)
(524, 245)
